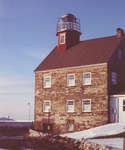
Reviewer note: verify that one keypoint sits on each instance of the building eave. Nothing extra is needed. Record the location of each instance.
(75, 67)
(117, 95)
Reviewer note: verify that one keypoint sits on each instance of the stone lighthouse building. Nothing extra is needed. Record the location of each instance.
(76, 83)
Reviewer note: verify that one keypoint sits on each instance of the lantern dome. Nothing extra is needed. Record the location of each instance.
(68, 22)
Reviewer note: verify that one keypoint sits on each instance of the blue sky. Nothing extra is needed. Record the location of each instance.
(28, 34)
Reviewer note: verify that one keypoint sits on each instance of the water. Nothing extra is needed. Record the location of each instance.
(13, 139)
(17, 149)
(21, 148)
(22, 145)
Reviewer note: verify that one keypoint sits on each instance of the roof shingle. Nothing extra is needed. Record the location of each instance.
(84, 53)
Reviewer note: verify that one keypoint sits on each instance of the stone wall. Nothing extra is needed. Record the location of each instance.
(64, 143)
(92, 146)
(60, 92)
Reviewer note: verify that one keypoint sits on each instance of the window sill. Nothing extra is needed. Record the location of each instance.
(70, 85)
(46, 87)
(61, 43)
(86, 84)
(86, 111)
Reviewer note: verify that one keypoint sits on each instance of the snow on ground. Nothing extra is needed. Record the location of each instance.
(112, 142)
(106, 130)
(24, 120)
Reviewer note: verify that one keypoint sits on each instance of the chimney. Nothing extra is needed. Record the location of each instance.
(120, 33)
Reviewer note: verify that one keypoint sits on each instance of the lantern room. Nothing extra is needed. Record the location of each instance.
(68, 31)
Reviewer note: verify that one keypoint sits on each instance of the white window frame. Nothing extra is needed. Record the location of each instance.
(90, 109)
(48, 85)
(67, 106)
(60, 42)
(46, 101)
(83, 79)
(114, 77)
(70, 83)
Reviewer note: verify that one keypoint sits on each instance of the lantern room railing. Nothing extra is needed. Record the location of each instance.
(74, 24)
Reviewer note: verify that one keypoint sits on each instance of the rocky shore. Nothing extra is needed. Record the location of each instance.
(63, 143)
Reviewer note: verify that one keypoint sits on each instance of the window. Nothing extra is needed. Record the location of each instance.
(70, 106)
(114, 78)
(123, 105)
(62, 38)
(46, 106)
(87, 78)
(86, 105)
(70, 80)
(47, 82)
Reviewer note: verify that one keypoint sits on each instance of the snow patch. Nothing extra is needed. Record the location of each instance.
(106, 130)
(112, 142)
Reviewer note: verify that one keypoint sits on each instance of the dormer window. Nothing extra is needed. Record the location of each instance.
(62, 39)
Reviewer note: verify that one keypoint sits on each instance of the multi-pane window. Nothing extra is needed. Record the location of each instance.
(86, 105)
(47, 81)
(114, 78)
(70, 80)
(62, 38)
(46, 106)
(123, 105)
(70, 106)
(87, 78)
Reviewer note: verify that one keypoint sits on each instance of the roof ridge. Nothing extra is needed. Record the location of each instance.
(98, 38)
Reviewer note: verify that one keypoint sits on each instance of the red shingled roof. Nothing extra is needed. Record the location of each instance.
(84, 53)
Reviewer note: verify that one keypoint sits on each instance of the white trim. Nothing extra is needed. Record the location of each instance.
(90, 78)
(117, 95)
(75, 67)
(67, 107)
(50, 105)
(90, 105)
(46, 76)
(73, 81)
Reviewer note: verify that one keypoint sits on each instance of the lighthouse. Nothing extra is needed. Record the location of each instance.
(68, 32)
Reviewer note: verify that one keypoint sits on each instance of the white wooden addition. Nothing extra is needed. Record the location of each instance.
(117, 108)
